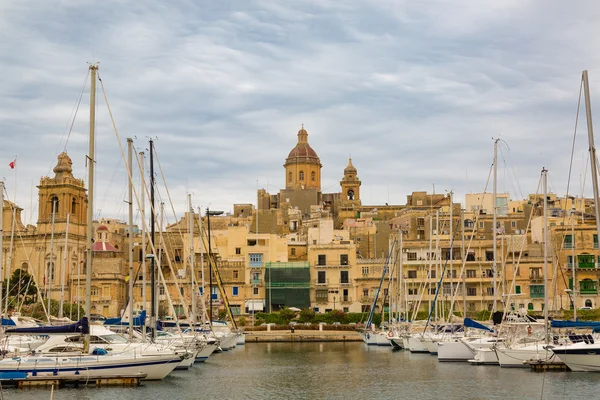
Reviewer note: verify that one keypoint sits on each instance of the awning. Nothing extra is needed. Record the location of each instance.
(255, 305)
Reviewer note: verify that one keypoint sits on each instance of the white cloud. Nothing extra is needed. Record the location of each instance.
(413, 91)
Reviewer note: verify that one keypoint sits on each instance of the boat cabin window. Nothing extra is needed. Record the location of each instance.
(74, 339)
(114, 338)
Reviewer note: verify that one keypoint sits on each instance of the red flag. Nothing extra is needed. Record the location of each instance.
(12, 164)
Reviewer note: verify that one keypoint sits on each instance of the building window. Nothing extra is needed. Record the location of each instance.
(182, 291)
(489, 255)
(365, 292)
(433, 274)
(236, 274)
(350, 194)
(490, 291)
(595, 241)
(344, 259)
(365, 270)
(73, 206)
(481, 224)
(471, 291)
(238, 250)
(290, 177)
(568, 242)
(322, 259)
(235, 291)
(178, 255)
(536, 291)
(412, 256)
(412, 274)
(301, 175)
(513, 224)
(255, 259)
(215, 293)
(161, 290)
(344, 277)
(293, 251)
(322, 294)
(518, 289)
(321, 277)
(313, 176)
(255, 291)
(530, 306)
(94, 291)
(346, 309)
(471, 273)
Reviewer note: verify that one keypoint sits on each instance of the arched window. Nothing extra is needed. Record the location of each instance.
(290, 177)
(588, 303)
(350, 194)
(313, 176)
(74, 206)
(53, 205)
(301, 177)
(24, 267)
(51, 270)
(530, 306)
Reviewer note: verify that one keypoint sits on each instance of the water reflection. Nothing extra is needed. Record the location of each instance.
(337, 371)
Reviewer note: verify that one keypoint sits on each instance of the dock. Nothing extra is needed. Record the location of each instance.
(302, 336)
(542, 366)
(72, 380)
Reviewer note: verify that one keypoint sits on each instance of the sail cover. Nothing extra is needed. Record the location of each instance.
(82, 326)
(575, 324)
(469, 323)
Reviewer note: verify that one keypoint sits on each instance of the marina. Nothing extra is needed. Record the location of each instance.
(337, 371)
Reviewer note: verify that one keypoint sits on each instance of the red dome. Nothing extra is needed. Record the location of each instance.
(302, 153)
(102, 228)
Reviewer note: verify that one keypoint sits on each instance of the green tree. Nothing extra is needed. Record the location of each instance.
(307, 315)
(286, 315)
(21, 288)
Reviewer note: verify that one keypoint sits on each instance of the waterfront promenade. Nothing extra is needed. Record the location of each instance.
(302, 336)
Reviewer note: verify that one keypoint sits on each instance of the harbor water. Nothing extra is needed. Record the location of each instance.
(336, 371)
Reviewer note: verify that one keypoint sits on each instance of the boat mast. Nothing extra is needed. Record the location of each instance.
(90, 205)
(1, 249)
(143, 254)
(64, 270)
(130, 223)
(192, 255)
(204, 314)
(592, 149)
(152, 232)
(494, 230)
(10, 255)
(545, 184)
(51, 264)
(574, 290)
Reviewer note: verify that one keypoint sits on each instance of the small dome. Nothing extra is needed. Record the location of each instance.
(63, 167)
(350, 169)
(102, 228)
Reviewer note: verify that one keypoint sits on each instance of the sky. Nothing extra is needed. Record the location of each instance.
(414, 92)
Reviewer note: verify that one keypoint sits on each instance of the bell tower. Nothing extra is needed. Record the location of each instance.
(350, 186)
(62, 195)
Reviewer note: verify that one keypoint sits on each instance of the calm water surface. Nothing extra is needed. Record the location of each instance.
(338, 371)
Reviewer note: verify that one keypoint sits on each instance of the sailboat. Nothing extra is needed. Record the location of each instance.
(90, 362)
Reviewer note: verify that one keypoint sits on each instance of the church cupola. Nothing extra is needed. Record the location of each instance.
(302, 165)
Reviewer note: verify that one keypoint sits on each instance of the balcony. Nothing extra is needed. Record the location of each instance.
(367, 299)
(255, 264)
(346, 299)
(321, 300)
(536, 277)
(256, 282)
(321, 283)
(317, 265)
(345, 284)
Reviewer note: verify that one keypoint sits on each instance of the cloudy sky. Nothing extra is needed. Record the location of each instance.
(413, 91)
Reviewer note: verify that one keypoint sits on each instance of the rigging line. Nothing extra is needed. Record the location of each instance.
(111, 181)
(28, 259)
(517, 193)
(574, 136)
(75, 107)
